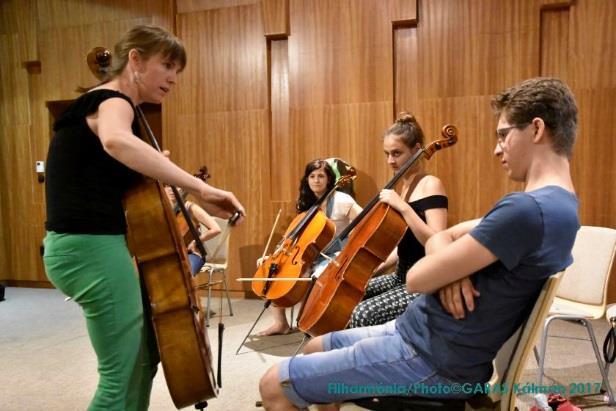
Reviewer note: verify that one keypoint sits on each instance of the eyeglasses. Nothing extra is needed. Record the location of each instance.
(502, 133)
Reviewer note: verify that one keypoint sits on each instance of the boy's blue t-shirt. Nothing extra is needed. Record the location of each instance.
(532, 234)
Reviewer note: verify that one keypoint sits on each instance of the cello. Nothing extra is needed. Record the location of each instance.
(376, 232)
(154, 240)
(306, 236)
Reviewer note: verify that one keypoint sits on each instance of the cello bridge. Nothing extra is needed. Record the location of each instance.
(330, 260)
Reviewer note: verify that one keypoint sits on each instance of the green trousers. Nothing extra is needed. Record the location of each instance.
(97, 272)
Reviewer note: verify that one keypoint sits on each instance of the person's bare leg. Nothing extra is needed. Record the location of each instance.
(271, 392)
(273, 397)
(281, 324)
(314, 345)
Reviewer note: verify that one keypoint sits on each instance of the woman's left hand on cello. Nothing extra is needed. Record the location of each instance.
(393, 199)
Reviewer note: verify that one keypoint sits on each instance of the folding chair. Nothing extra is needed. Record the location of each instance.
(216, 262)
(582, 295)
(509, 366)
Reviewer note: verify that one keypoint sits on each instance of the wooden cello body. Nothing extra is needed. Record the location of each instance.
(375, 233)
(293, 259)
(308, 234)
(154, 239)
(342, 285)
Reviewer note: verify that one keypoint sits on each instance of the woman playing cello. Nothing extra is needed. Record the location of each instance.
(207, 228)
(340, 208)
(93, 158)
(425, 212)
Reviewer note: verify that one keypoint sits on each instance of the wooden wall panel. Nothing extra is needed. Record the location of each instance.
(25, 226)
(191, 6)
(226, 61)
(21, 218)
(339, 52)
(403, 12)
(594, 156)
(13, 83)
(592, 165)
(281, 144)
(593, 44)
(476, 47)
(591, 57)
(554, 53)
(406, 70)
(54, 14)
(8, 21)
(275, 18)
(19, 18)
(255, 110)
(22, 223)
(219, 116)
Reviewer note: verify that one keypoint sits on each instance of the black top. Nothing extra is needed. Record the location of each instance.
(84, 185)
(409, 248)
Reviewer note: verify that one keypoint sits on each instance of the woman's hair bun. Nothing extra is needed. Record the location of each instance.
(406, 118)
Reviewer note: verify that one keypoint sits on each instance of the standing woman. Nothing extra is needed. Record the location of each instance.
(94, 157)
(340, 208)
(424, 209)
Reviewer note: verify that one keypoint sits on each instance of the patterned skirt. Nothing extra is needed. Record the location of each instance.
(386, 298)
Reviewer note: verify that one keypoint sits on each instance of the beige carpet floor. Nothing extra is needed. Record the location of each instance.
(46, 362)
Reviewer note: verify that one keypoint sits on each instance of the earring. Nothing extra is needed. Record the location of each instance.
(136, 77)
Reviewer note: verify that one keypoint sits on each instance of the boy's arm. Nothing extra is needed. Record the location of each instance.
(455, 296)
(443, 238)
(451, 255)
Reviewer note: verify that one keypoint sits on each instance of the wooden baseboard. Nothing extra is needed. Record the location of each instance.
(47, 284)
(27, 284)
(232, 294)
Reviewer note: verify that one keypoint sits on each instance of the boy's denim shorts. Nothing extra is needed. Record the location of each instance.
(357, 363)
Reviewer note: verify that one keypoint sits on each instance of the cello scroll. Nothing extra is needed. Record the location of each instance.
(98, 59)
(450, 137)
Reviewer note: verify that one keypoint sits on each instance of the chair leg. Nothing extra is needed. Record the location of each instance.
(224, 283)
(602, 368)
(542, 348)
(612, 322)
